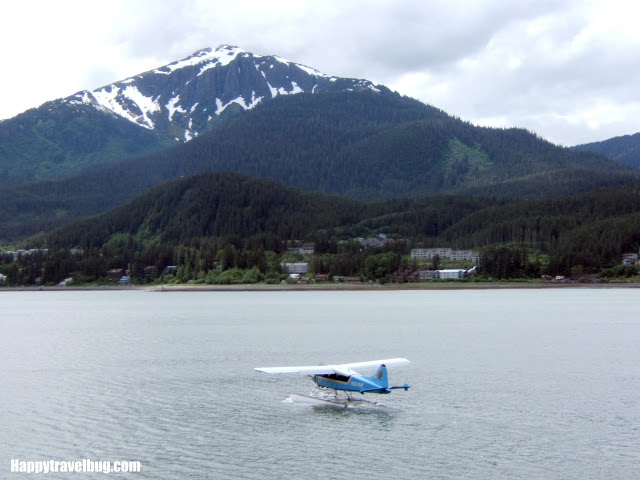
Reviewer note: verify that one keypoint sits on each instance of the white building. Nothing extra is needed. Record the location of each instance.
(451, 274)
(301, 267)
(458, 255)
(24, 253)
(430, 252)
(465, 255)
(445, 274)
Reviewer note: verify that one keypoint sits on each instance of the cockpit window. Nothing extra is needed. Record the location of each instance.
(336, 376)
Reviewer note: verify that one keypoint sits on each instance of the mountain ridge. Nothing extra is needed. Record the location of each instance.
(624, 149)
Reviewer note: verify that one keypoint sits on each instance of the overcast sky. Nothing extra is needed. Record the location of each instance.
(567, 70)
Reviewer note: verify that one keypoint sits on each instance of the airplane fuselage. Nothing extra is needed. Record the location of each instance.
(354, 383)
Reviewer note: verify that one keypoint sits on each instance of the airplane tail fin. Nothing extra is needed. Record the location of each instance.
(380, 378)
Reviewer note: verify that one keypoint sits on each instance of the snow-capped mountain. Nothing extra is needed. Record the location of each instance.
(186, 97)
(151, 111)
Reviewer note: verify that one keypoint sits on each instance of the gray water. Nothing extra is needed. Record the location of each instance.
(535, 384)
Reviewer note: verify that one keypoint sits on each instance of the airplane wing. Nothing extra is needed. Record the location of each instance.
(389, 362)
(311, 370)
(343, 369)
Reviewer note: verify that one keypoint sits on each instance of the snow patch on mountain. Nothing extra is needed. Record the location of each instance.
(147, 105)
(107, 98)
(137, 109)
(311, 71)
(274, 91)
(171, 107)
(239, 101)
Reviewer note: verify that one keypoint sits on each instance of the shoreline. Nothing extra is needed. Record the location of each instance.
(324, 287)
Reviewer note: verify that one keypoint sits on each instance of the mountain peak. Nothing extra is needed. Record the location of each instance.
(184, 98)
(225, 46)
(221, 56)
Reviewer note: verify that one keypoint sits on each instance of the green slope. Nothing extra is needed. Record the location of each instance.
(59, 140)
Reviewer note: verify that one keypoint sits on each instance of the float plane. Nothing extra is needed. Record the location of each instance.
(336, 384)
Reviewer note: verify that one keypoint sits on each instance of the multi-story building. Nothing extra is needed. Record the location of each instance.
(430, 252)
(459, 255)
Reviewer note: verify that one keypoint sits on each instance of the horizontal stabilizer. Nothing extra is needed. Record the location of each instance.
(406, 387)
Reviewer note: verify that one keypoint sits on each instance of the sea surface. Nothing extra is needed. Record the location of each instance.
(505, 384)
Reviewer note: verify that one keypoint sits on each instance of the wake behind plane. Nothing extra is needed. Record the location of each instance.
(336, 384)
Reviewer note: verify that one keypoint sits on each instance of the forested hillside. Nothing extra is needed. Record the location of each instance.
(362, 144)
(227, 220)
(213, 205)
(233, 228)
(290, 138)
(57, 140)
(234, 206)
(450, 156)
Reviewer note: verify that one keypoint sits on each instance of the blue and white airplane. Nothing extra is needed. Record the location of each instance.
(336, 383)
